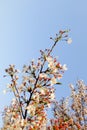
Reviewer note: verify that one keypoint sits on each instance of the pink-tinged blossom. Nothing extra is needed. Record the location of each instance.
(59, 76)
(43, 75)
(49, 59)
(36, 97)
(31, 109)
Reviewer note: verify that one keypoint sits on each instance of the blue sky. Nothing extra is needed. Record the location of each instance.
(25, 28)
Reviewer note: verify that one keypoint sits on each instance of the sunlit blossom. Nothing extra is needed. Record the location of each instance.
(69, 40)
(14, 101)
(64, 67)
(49, 59)
(36, 97)
(31, 109)
(43, 75)
(49, 105)
(42, 91)
(53, 81)
(52, 96)
(4, 91)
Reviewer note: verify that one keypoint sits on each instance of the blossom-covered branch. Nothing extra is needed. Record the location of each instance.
(36, 92)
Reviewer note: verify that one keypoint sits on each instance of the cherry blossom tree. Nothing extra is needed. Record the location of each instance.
(71, 113)
(79, 104)
(36, 92)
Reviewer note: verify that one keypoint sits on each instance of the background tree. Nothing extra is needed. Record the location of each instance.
(71, 113)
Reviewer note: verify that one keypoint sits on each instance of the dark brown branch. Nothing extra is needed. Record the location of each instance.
(58, 38)
(19, 100)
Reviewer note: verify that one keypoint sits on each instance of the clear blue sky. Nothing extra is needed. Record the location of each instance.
(25, 28)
